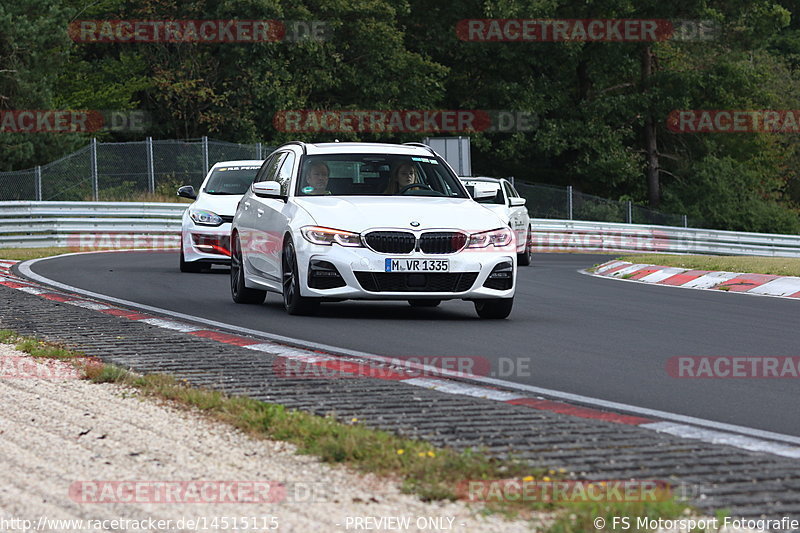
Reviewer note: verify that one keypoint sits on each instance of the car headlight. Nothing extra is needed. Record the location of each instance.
(205, 218)
(328, 236)
(498, 237)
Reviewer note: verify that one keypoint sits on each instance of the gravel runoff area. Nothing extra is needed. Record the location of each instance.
(61, 437)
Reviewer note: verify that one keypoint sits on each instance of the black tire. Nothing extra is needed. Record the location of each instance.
(496, 308)
(293, 302)
(424, 303)
(239, 292)
(524, 259)
(193, 267)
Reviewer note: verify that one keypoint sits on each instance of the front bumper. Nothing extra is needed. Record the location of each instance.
(362, 275)
(206, 244)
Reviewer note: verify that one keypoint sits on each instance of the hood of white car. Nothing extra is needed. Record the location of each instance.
(359, 213)
(497, 209)
(221, 204)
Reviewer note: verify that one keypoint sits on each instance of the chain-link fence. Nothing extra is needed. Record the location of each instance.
(548, 201)
(125, 170)
(130, 170)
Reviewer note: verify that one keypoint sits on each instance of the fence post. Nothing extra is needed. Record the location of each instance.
(685, 221)
(95, 184)
(205, 155)
(38, 184)
(151, 174)
(569, 201)
(630, 212)
(258, 151)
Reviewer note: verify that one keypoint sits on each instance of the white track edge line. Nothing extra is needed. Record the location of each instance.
(25, 268)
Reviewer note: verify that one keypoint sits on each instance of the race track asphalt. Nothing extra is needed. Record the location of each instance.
(568, 331)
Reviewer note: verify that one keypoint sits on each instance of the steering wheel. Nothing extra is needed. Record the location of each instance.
(412, 185)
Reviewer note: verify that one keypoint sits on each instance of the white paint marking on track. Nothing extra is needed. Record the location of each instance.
(88, 305)
(170, 324)
(731, 429)
(627, 270)
(32, 290)
(778, 287)
(662, 274)
(287, 351)
(609, 266)
(719, 437)
(706, 281)
(453, 387)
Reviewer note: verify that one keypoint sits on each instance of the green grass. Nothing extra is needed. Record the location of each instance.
(429, 472)
(23, 254)
(781, 266)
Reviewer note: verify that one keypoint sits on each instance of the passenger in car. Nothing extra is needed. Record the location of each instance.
(403, 175)
(317, 179)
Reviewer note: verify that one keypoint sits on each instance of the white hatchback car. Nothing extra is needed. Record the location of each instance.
(368, 221)
(510, 206)
(206, 224)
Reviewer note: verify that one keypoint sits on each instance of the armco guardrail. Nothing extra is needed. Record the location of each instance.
(573, 235)
(87, 225)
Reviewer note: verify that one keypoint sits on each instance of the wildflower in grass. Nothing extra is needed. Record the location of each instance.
(401, 451)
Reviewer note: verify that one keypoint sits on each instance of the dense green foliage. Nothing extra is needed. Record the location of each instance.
(594, 100)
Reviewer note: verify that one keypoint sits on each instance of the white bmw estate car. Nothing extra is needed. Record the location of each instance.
(510, 206)
(206, 224)
(368, 221)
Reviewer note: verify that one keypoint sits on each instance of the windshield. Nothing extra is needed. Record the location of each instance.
(376, 175)
(231, 180)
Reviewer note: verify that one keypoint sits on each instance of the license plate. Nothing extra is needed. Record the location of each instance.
(417, 265)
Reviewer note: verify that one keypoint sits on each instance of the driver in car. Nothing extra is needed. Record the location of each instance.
(402, 176)
(317, 179)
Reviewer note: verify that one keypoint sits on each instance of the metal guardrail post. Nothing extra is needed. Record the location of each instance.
(630, 212)
(205, 155)
(258, 151)
(151, 174)
(38, 183)
(569, 201)
(93, 163)
(685, 221)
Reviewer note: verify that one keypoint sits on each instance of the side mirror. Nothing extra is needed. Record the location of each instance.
(517, 202)
(187, 191)
(483, 191)
(268, 189)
